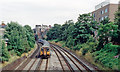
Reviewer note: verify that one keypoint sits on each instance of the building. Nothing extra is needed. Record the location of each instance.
(2, 29)
(41, 30)
(3, 25)
(104, 10)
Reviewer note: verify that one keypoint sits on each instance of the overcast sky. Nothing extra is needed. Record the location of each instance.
(48, 12)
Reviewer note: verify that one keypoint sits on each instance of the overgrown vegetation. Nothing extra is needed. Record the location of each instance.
(4, 56)
(87, 35)
(20, 40)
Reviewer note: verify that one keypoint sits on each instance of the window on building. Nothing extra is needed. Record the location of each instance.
(106, 17)
(102, 18)
(102, 12)
(106, 10)
(99, 19)
(94, 15)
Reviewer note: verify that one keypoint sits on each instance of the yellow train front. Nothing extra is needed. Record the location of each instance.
(45, 51)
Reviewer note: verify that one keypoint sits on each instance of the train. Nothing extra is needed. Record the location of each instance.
(45, 49)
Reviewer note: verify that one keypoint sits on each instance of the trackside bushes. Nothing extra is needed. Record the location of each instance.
(106, 56)
(20, 39)
(5, 54)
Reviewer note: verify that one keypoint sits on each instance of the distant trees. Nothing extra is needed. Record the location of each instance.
(54, 33)
(74, 33)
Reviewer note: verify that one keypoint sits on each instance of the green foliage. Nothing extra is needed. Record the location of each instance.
(92, 44)
(77, 47)
(117, 22)
(112, 48)
(30, 36)
(105, 21)
(56, 40)
(106, 32)
(84, 51)
(70, 42)
(5, 54)
(84, 27)
(66, 30)
(80, 36)
(54, 32)
(106, 56)
(20, 39)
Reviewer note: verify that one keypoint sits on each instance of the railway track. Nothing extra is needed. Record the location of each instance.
(60, 59)
(71, 60)
(31, 63)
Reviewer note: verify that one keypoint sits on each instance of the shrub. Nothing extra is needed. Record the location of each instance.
(106, 56)
(84, 51)
(5, 54)
(77, 47)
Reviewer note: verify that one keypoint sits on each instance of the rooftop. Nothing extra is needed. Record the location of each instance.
(106, 2)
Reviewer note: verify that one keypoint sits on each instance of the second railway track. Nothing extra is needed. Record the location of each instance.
(72, 61)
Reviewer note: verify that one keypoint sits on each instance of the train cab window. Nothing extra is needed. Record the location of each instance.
(47, 49)
(41, 49)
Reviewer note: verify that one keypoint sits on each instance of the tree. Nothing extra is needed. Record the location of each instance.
(105, 33)
(14, 34)
(105, 21)
(30, 36)
(5, 54)
(69, 41)
(65, 30)
(117, 22)
(20, 39)
(54, 32)
(84, 27)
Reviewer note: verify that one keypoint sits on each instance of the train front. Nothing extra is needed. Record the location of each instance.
(45, 50)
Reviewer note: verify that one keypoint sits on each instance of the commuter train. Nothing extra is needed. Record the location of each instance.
(45, 49)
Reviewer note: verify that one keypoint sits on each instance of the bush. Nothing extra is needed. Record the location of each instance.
(106, 56)
(112, 48)
(20, 39)
(56, 41)
(77, 47)
(5, 54)
(18, 53)
(84, 51)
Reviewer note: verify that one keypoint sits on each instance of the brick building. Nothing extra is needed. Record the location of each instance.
(104, 10)
(41, 30)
